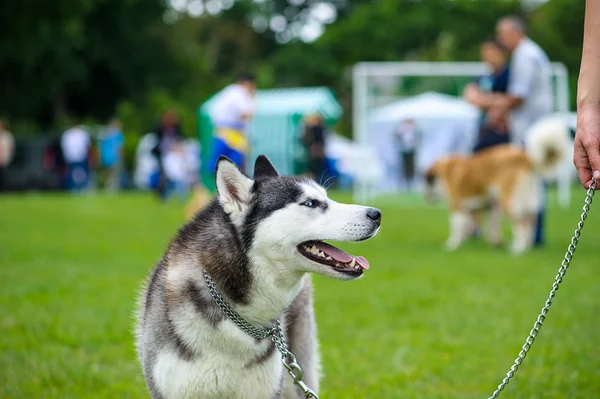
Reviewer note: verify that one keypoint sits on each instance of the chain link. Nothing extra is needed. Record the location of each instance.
(557, 280)
(289, 361)
(287, 358)
(254, 332)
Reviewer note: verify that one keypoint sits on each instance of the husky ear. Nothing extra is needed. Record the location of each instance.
(233, 188)
(263, 168)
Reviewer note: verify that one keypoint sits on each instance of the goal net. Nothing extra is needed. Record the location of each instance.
(387, 93)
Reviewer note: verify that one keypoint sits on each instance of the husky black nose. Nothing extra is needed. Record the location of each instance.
(374, 214)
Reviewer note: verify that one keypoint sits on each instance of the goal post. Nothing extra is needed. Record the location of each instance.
(376, 84)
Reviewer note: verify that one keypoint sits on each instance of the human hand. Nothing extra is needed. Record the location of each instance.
(471, 93)
(497, 119)
(586, 154)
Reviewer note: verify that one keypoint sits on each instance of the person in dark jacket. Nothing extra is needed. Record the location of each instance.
(168, 132)
(314, 141)
(492, 125)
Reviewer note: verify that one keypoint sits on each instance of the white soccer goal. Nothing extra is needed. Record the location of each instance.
(378, 86)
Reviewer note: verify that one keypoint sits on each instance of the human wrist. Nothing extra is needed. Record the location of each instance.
(588, 99)
(588, 94)
(588, 105)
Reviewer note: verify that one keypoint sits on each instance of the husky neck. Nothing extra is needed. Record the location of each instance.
(273, 289)
(260, 286)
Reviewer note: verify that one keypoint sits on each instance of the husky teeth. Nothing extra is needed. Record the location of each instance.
(321, 255)
(329, 258)
(353, 262)
(357, 267)
(314, 250)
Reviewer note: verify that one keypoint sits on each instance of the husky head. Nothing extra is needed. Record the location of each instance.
(283, 221)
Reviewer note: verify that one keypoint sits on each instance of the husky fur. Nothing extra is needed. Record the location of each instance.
(504, 180)
(258, 241)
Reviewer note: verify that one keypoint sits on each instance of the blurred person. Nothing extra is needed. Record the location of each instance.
(7, 152)
(110, 143)
(314, 141)
(232, 113)
(76, 145)
(167, 132)
(176, 172)
(406, 135)
(493, 129)
(529, 92)
(586, 155)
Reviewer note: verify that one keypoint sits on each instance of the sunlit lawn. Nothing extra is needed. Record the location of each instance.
(422, 323)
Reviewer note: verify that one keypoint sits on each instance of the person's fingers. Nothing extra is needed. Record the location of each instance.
(592, 147)
(585, 176)
(582, 163)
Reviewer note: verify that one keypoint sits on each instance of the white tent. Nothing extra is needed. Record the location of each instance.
(446, 124)
(428, 105)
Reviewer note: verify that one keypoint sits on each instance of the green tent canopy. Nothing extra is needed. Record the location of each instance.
(275, 128)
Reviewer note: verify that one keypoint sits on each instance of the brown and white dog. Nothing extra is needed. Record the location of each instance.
(505, 180)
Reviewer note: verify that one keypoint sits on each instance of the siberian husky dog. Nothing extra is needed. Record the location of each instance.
(256, 241)
(504, 180)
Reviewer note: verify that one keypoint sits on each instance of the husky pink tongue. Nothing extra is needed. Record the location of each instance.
(342, 256)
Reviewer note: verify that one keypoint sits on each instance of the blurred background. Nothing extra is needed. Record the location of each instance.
(364, 95)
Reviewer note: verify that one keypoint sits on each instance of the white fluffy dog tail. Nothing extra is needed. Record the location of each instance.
(547, 144)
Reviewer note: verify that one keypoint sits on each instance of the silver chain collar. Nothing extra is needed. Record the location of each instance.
(557, 280)
(276, 333)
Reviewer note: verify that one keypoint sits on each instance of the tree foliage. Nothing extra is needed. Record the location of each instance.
(94, 58)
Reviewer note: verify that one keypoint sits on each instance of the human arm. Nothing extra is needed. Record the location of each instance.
(247, 104)
(523, 71)
(586, 155)
(473, 94)
(493, 100)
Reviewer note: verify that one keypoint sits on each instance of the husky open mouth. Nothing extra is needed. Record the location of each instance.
(328, 255)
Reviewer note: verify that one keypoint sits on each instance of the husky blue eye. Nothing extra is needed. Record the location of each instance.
(310, 203)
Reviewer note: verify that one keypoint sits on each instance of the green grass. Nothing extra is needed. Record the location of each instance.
(422, 323)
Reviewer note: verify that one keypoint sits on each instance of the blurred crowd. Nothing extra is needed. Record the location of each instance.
(88, 159)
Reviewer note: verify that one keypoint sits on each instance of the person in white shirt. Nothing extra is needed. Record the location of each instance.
(75, 144)
(231, 116)
(529, 94)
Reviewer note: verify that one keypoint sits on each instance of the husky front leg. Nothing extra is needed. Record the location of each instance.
(301, 332)
(460, 226)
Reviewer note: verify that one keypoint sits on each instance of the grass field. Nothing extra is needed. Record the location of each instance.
(422, 323)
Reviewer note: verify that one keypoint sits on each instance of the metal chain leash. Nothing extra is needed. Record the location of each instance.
(254, 332)
(289, 361)
(287, 358)
(557, 280)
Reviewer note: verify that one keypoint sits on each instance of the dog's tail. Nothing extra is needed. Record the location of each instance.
(547, 145)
